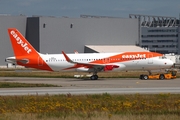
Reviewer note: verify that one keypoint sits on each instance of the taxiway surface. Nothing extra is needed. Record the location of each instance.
(86, 86)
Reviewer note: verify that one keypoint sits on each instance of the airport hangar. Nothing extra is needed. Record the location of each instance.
(84, 34)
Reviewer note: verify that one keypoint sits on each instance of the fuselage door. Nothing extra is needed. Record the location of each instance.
(40, 61)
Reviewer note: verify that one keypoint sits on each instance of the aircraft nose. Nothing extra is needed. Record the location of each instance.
(169, 63)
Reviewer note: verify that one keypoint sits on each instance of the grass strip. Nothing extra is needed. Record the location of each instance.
(15, 85)
(104, 106)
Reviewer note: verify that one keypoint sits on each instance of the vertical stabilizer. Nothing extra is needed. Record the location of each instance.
(24, 52)
(20, 45)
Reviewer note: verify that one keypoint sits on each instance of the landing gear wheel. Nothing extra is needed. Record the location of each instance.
(161, 77)
(141, 77)
(145, 77)
(94, 77)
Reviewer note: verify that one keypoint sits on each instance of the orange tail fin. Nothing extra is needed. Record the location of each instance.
(20, 45)
(24, 52)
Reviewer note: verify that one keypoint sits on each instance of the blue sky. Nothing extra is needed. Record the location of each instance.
(75, 8)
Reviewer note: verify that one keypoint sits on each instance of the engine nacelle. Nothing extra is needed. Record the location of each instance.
(114, 67)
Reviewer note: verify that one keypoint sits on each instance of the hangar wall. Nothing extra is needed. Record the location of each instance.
(69, 34)
(32, 31)
(6, 22)
(52, 35)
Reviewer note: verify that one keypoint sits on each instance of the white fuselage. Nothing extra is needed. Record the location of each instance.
(57, 62)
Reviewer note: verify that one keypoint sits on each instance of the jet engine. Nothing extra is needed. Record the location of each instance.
(114, 67)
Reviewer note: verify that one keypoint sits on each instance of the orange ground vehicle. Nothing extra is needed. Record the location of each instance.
(170, 74)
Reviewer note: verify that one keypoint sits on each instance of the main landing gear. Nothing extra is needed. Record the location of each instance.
(94, 76)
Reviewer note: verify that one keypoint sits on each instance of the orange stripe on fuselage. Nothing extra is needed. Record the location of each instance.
(35, 61)
(126, 56)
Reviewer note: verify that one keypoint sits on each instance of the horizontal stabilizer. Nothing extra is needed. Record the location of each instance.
(14, 60)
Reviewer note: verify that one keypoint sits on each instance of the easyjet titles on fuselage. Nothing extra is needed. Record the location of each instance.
(20, 42)
(134, 56)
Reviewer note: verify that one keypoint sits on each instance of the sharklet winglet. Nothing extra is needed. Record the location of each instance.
(67, 58)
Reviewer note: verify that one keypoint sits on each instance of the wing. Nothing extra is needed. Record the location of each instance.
(98, 67)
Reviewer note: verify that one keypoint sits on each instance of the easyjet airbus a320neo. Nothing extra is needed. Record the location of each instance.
(26, 55)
